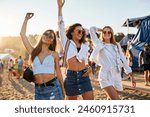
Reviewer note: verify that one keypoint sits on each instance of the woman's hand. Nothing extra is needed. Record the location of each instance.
(29, 16)
(87, 71)
(60, 3)
(99, 30)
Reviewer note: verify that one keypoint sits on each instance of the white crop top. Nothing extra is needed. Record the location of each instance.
(72, 50)
(46, 67)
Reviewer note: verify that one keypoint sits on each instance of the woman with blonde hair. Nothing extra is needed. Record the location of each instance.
(45, 63)
(108, 54)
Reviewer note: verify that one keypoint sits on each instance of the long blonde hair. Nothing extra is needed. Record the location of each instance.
(112, 39)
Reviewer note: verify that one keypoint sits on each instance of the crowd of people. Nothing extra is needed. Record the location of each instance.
(14, 67)
(45, 61)
(102, 56)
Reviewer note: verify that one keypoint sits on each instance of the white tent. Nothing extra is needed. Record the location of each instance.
(6, 56)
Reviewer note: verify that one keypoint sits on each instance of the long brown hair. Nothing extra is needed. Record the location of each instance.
(38, 47)
(112, 39)
(71, 29)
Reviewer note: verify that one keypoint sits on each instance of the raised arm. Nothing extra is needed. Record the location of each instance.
(24, 38)
(93, 35)
(61, 26)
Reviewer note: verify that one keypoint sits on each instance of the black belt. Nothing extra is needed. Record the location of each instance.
(49, 83)
(76, 72)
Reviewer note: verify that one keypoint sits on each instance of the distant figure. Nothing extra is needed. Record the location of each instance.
(10, 69)
(15, 68)
(20, 66)
(129, 57)
(144, 60)
(108, 54)
(1, 68)
(45, 64)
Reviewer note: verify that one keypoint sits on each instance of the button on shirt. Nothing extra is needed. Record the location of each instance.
(108, 56)
(82, 55)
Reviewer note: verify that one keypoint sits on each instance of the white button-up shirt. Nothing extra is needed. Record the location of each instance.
(108, 56)
(82, 55)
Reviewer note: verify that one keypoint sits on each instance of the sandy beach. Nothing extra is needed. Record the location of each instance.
(19, 89)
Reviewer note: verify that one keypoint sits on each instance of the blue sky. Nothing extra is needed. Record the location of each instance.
(87, 12)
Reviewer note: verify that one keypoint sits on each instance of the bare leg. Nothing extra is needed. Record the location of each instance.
(88, 95)
(146, 77)
(112, 93)
(149, 76)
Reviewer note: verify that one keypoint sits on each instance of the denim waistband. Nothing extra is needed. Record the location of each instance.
(49, 83)
(76, 72)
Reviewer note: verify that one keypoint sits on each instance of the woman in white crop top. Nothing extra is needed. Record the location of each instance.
(45, 61)
(77, 81)
(108, 54)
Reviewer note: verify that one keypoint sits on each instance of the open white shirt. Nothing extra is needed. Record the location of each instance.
(82, 55)
(108, 56)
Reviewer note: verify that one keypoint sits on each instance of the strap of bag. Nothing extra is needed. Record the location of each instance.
(64, 64)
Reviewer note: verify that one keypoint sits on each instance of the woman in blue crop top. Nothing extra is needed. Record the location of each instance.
(77, 81)
(45, 63)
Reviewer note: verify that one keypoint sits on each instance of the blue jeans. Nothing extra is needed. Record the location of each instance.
(49, 92)
(75, 84)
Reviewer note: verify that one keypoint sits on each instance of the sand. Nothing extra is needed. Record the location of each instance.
(19, 89)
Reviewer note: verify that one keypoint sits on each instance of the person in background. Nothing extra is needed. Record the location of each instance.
(20, 66)
(144, 60)
(1, 68)
(45, 64)
(108, 54)
(77, 81)
(15, 68)
(10, 68)
(129, 57)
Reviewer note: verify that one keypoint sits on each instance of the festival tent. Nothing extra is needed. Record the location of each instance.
(6, 56)
(141, 37)
(125, 40)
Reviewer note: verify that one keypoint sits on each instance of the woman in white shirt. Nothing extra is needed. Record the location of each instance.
(77, 81)
(108, 54)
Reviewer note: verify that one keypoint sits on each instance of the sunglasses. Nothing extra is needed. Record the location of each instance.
(108, 32)
(80, 31)
(51, 37)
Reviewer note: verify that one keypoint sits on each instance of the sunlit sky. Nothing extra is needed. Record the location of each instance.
(87, 12)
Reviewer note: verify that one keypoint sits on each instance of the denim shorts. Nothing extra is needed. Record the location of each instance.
(75, 84)
(53, 92)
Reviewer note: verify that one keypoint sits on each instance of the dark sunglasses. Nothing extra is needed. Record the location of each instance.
(108, 32)
(51, 37)
(80, 31)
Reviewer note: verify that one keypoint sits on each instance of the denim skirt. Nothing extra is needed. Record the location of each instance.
(75, 84)
(50, 92)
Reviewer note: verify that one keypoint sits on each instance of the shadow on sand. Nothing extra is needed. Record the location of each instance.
(28, 86)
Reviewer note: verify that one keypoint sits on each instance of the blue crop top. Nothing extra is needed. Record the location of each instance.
(46, 67)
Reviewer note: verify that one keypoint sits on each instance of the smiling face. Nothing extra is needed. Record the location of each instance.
(107, 34)
(77, 33)
(47, 39)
